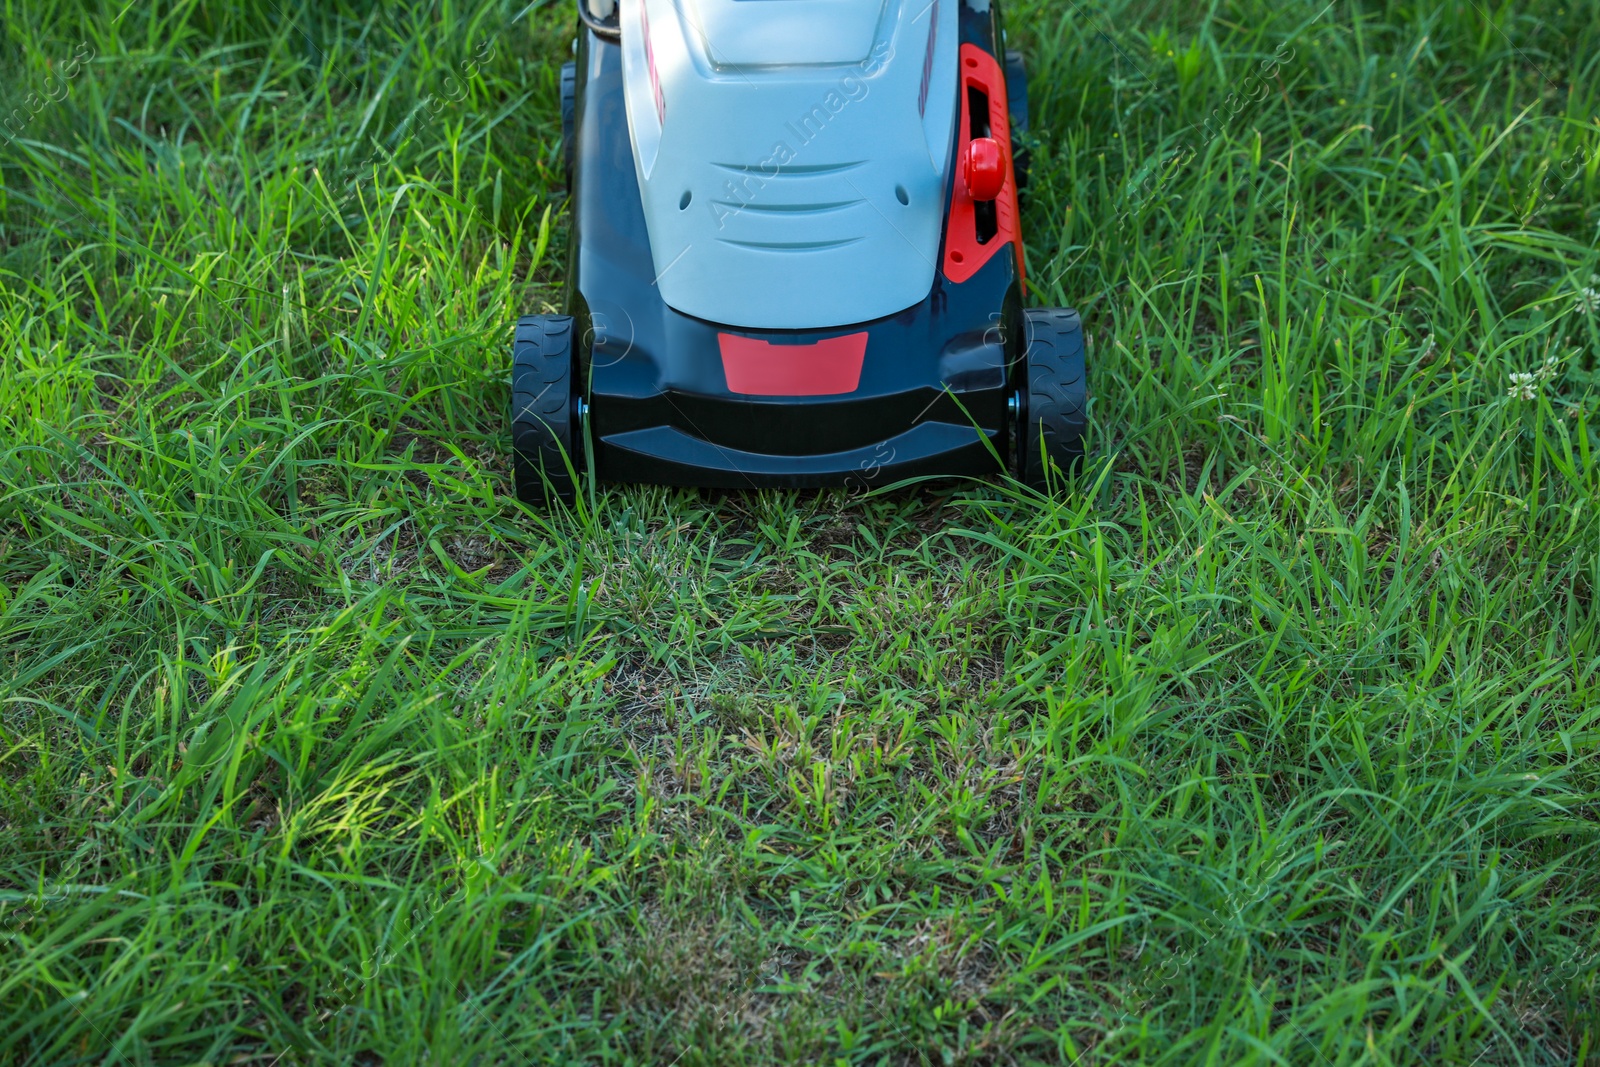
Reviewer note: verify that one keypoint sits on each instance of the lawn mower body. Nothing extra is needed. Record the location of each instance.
(795, 257)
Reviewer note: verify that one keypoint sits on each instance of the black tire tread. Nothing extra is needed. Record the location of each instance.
(1057, 394)
(542, 430)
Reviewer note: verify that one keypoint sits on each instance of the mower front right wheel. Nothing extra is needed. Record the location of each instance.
(1053, 398)
(544, 410)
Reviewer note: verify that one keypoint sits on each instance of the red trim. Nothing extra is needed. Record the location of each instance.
(963, 255)
(760, 368)
(650, 62)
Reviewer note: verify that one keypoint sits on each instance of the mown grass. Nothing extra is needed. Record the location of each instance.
(1271, 740)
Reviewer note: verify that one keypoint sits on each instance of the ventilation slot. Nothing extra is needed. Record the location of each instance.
(985, 215)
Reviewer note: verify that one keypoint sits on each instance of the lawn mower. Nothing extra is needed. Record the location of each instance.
(795, 257)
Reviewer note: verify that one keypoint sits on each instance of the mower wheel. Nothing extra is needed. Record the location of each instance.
(544, 423)
(1053, 403)
(569, 115)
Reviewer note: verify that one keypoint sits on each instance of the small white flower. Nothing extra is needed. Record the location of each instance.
(1525, 384)
(1589, 296)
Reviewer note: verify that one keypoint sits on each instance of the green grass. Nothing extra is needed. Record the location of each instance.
(1271, 740)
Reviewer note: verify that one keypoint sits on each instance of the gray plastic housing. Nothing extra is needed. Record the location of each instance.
(791, 153)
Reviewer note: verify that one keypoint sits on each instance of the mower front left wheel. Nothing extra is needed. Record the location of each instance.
(1052, 403)
(544, 410)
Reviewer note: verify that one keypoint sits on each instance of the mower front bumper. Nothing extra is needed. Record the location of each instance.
(666, 455)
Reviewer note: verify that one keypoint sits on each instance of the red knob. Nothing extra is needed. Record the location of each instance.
(984, 168)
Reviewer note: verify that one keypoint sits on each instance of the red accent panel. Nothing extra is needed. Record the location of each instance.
(760, 368)
(963, 255)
